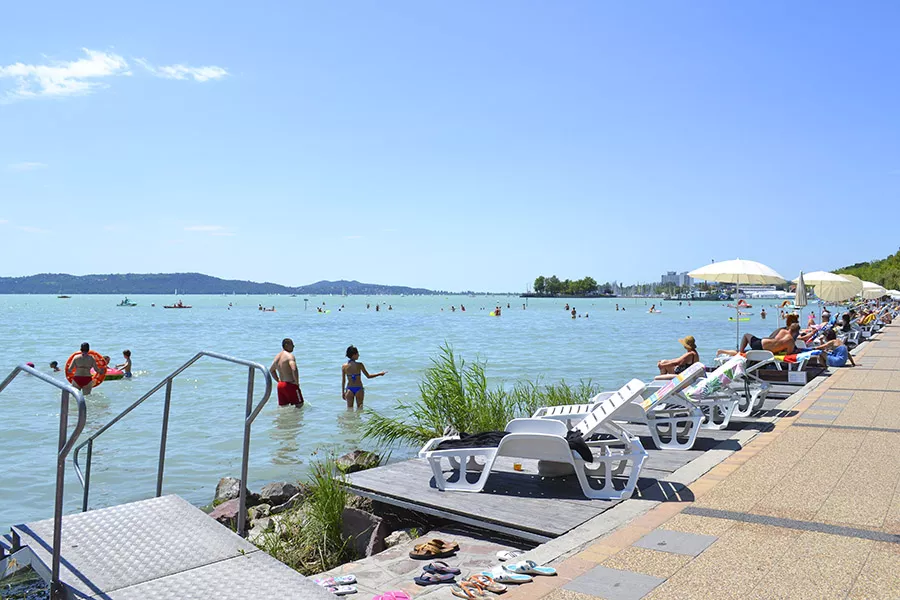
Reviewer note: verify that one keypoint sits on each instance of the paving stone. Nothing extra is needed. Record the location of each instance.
(820, 415)
(648, 562)
(564, 594)
(878, 579)
(676, 542)
(613, 584)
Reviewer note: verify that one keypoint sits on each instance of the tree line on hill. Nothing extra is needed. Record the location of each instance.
(553, 286)
(185, 283)
(884, 272)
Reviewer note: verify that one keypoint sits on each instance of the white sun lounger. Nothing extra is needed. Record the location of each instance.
(545, 439)
(714, 394)
(755, 389)
(673, 422)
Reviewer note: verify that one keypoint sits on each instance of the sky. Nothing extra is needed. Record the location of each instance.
(454, 145)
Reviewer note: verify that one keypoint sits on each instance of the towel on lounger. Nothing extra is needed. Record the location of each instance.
(491, 439)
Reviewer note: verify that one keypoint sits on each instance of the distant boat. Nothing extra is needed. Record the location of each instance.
(64, 296)
(178, 305)
(126, 302)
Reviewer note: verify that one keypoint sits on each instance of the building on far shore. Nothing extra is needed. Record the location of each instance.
(680, 279)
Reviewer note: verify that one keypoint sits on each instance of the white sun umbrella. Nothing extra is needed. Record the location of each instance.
(894, 294)
(871, 290)
(831, 287)
(800, 299)
(747, 272)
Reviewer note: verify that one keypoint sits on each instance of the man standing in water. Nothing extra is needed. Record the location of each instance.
(284, 371)
(83, 363)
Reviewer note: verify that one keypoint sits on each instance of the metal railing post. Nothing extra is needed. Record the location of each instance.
(55, 585)
(245, 457)
(162, 441)
(87, 476)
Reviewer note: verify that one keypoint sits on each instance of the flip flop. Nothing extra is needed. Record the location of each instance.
(441, 568)
(430, 550)
(395, 595)
(336, 581)
(433, 578)
(465, 589)
(509, 554)
(529, 567)
(501, 576)
(342, 590)
(487, 583)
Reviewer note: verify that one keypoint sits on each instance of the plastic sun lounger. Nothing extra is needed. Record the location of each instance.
(714, 394)
(755, 389)
(545, 440)
(673, 421)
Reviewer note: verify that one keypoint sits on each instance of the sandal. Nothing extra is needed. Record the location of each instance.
(446, 545)
(342, 590)
(529, 567)
(433, 578)
(430, 550)
(465, 589)
(336, 581)
(441, 568)
(487, 583)
(501, 576)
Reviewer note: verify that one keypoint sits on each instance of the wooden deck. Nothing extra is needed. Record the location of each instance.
(526, 505)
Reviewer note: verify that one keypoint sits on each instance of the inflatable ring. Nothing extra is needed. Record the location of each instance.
(96, 377)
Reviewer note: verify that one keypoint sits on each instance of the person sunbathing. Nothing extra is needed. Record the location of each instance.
(781, 343)
(677, 365)
(834, 352)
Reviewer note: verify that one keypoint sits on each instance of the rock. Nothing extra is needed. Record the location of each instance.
(259, 511)
(277, 493)
(360, 503)
(291, 503)
(227, 513)
(397, 537)
(365, 532)
(258, 529)
(358, 460)
(230, 488)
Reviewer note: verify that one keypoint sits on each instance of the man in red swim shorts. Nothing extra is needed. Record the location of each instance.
(284, 371)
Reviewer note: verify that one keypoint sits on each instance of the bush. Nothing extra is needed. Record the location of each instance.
(454, 396)
(308, 538)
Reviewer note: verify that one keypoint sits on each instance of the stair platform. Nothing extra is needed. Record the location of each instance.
(161, 548)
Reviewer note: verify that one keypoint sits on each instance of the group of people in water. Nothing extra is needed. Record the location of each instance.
(284, 372)
(84, 366)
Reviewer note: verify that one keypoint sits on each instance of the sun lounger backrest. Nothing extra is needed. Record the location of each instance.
(718, 380)
(681, 381)
(605, 410)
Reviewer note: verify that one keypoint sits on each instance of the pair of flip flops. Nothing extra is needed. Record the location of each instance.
(476, 585)
(437, 572)
(434, 548)
(339, 586)
(529, 567)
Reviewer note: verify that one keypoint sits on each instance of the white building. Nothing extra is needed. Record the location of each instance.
(680, 279)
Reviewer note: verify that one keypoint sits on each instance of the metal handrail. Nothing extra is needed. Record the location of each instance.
(249, 417)
(65, 445)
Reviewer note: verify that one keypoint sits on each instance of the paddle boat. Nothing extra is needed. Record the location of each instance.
(126, 302)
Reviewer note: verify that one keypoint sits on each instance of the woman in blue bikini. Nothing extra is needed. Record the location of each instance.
(351, 381)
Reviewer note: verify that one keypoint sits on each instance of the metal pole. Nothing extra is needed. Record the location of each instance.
(162, 441)
(87, 476)
(245, 460)
(56, 589)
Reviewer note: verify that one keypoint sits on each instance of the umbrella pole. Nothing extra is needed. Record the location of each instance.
(737, 317)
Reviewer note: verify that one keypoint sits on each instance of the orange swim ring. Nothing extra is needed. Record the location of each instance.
(97, 377)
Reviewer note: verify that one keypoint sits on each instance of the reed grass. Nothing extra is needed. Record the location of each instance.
(454, 397)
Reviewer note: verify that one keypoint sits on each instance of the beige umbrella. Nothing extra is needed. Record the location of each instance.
(800, 299)
(830, 286)
(854, 279)
(894, 294)
(747, 272)
(871, 290)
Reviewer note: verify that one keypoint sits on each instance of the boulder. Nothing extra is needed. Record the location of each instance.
(277, 493)
(400, 536)
(358, 460)
(230, 488)
(259, 511)
(227, 513)
(365, 532)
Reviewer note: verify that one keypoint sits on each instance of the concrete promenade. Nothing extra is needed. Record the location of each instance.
(810, 509)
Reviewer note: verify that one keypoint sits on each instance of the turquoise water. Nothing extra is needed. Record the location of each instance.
(206, 418)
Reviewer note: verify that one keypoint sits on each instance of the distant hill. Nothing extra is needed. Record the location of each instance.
(884, 272)
(185, 283)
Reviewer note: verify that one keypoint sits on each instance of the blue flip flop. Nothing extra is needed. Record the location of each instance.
(529, 567)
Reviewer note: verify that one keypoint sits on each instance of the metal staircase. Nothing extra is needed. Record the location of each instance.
(162, 547)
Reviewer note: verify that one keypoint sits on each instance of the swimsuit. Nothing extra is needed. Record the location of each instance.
(82, 380)
(354, 378)
(128, 375)
(755, 343)
(289, 393)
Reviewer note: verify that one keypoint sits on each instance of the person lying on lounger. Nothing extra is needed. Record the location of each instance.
(781, 343)
(835, 352)
(677, 365)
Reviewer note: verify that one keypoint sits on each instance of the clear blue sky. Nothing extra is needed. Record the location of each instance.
(453, 145)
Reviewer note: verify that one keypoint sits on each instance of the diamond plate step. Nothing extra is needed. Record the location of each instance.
(161, 548)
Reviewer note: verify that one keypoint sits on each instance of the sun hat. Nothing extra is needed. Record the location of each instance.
(688, 342)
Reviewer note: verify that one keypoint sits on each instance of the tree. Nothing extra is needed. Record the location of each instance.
(539, 284)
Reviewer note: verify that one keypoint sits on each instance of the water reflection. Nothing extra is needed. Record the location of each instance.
(288, 424)
(349, 422)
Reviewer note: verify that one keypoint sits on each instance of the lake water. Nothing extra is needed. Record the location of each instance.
(208, 400)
